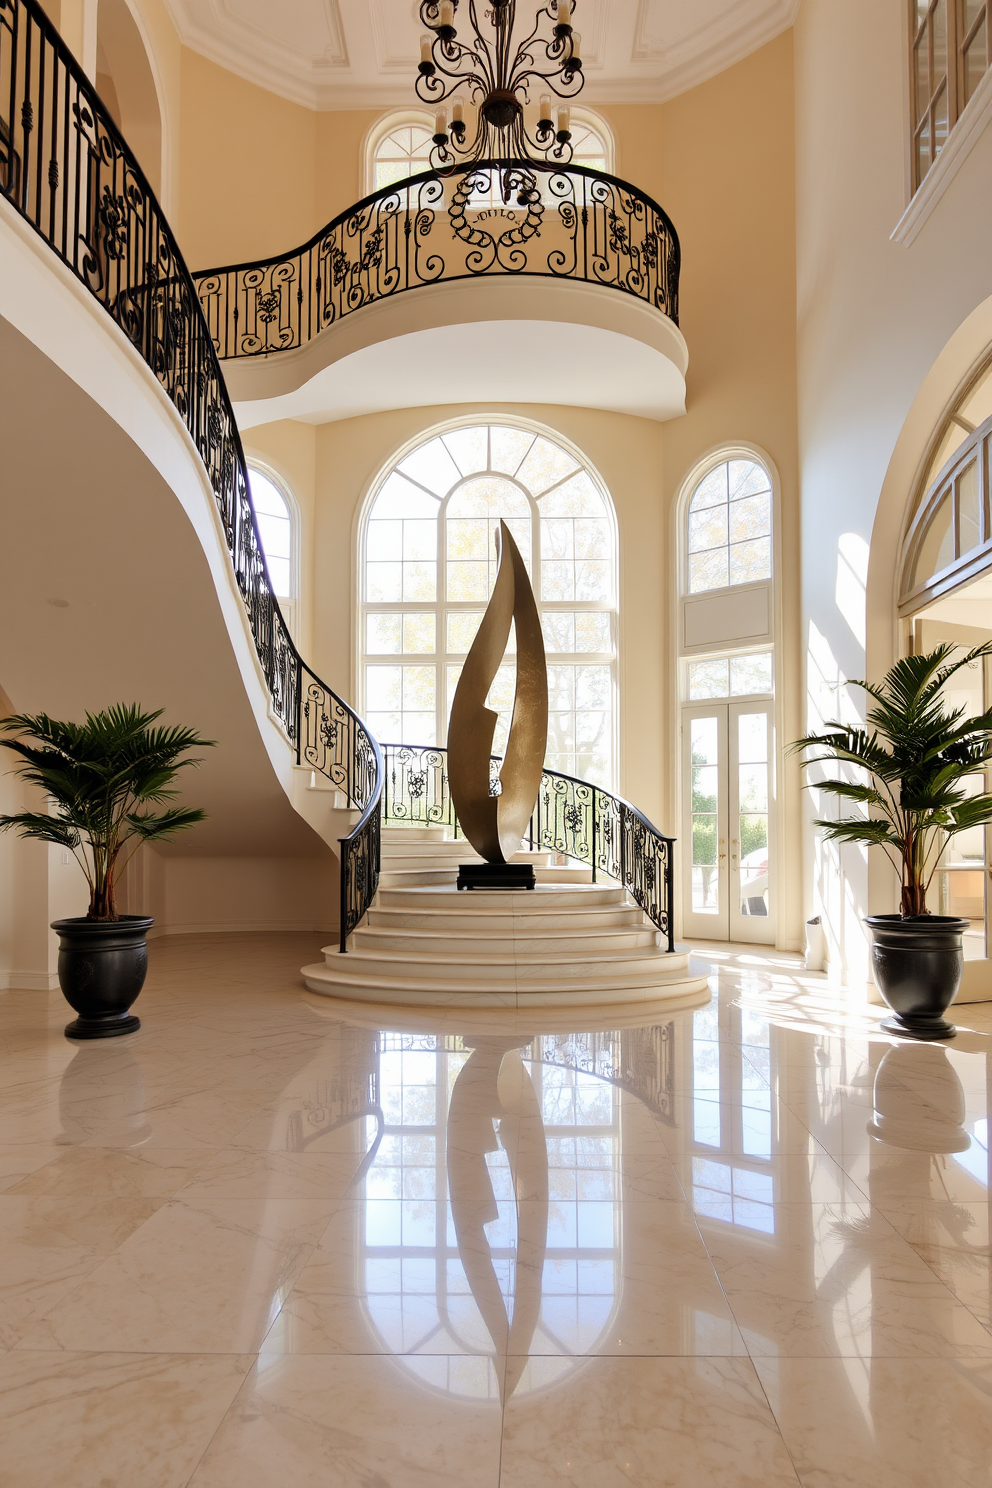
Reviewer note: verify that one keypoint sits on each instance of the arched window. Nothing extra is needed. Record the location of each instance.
(727, 678)
(399, 146)
(429, 563)
(730, 525)
(275, 528)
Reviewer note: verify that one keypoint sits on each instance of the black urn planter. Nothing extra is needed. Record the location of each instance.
(917, 964)
(102, 968)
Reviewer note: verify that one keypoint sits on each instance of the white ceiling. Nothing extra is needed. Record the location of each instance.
(330, 54)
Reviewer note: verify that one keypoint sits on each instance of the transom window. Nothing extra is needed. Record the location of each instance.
(950, 41)
(730, 515)
(429, 564)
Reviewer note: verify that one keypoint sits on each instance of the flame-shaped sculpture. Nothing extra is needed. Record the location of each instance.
(495, 824)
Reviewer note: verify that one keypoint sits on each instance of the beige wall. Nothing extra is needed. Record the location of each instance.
(874, 319)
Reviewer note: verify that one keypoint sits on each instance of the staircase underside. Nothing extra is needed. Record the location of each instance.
(569, 942)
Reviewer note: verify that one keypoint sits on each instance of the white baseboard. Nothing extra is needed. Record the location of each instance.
(28, 981)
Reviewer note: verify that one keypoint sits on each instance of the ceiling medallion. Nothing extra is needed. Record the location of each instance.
(499, 76)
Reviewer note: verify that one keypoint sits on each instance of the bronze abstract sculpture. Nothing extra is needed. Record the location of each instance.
(495, 823)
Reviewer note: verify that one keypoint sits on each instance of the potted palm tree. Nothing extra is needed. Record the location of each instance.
(102, 778)
(916, 764)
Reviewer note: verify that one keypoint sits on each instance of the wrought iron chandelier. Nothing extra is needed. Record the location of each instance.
(499, 76)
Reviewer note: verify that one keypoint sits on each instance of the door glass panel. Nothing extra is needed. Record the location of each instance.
(752, 788)
(704, 745)
(960, 878)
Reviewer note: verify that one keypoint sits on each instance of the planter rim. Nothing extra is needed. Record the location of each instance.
(915, 923)
(79, 923)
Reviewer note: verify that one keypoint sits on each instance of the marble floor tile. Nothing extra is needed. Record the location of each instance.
(95, 1420)
(837, 1279)
(16, 1163)
(144, 1172)
(670, 1423)
(244, 1174)
(326, 1422)
(883, 1423)
(49, 1244)
(204, 1275)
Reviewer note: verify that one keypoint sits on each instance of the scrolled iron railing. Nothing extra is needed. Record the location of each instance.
(574, 817)
(584, 225)
(68, 171)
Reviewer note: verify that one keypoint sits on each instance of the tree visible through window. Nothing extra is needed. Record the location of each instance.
(730, 515)
(429, 567)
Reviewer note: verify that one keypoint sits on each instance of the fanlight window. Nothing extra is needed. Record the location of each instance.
(429, 567)
(730, 524)
(951, 531)
(403, 152)
(275, 530)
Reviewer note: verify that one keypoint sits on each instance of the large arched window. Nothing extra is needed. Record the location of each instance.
(428, 558)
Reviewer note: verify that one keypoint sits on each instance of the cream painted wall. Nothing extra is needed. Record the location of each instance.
(874, 317)
(247, 168)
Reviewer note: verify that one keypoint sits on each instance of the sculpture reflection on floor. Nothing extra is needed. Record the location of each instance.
(494, 1086)
(495, 823)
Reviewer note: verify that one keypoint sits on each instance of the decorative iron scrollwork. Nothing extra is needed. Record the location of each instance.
(567, 222)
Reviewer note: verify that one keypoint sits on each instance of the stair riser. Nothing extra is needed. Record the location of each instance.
(523, 901)
(426, 993)
(399, 920)
(619, 971)
(371, 942)
(431, 861)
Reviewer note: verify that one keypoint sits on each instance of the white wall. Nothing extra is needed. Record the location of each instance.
(873, 319)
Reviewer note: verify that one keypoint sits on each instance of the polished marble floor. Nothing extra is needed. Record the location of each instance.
(274, 1240)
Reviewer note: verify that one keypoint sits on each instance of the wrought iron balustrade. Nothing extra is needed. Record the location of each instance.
(584, 225)
(573, 817)
(68, 171)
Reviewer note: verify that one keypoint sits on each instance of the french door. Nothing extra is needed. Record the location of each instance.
(727, 801)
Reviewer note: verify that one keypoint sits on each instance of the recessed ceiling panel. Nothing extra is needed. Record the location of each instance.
(330, 54)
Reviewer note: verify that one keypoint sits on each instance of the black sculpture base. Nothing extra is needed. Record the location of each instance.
(496, 876)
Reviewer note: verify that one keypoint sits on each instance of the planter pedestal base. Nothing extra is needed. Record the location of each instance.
(919, 1028)
(97, 1028)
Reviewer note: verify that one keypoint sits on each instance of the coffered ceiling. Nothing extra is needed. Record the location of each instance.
(363, 53)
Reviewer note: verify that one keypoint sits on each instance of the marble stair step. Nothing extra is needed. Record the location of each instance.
(348, 977)
(605, 970)
(393, 862)
(596, 918)
(567, 898)
(560, 943)
(396, 878)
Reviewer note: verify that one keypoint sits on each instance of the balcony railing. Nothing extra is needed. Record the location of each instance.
(584, 226)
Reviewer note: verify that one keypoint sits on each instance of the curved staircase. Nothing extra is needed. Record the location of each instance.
(569, 942)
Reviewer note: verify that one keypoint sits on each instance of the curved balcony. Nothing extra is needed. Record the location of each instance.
(404, 279)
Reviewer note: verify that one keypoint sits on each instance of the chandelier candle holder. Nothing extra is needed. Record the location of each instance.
(499, 75)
